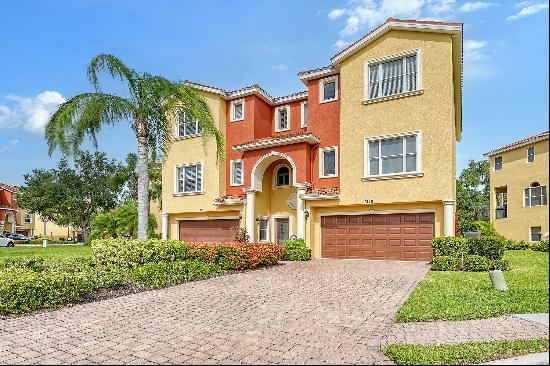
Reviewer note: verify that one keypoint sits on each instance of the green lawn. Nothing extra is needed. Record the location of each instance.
(49, 252)
(470, 295)
(462, 353)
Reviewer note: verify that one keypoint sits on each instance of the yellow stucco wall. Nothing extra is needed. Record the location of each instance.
(53, 231)
(193, 150)
(432, 113)
(516, 175)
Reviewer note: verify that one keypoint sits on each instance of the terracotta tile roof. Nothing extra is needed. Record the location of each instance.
(238, 197)
(276, 138)
(519, 143)
(9, 188)
(323, 191)
(324, 68)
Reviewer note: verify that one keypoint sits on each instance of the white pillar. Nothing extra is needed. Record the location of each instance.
(164, 219)
(300, 214)
(448, 218)
(249, 220)
(45, 240)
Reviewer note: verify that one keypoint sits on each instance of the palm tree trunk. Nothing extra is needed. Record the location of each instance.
(143, 186)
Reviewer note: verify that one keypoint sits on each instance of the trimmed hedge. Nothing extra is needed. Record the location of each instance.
(516, 245)
(445, 263)
(449, 246)
(541, 246)
(296, 250)
(164, 274)
(487, 246)
(229, 256)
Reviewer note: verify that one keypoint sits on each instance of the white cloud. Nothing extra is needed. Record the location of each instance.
(279, 67)
(336, 13)
(30, 113)
(367, 14)
(341, 44)
(476, 65)
(9, 146)
(478, 5)
(528, 8)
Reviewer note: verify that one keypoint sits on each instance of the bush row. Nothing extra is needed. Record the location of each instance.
(541, 246)
(485, 246)
(472, 263)
(229, 256)
(32, 283)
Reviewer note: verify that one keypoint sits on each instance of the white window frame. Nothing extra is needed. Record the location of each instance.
(189, 135)
(402, 135)
(495, 163)
(304, 117)
(232, 111)
(27, 215)
(531, 234)
(541, 196)
(277, 126)
(384, 59)
(267, 229)
(322, 83)
(527, 158)
(274, 226)
(322, 151)
(231, 169)
(276, 169)
(176, 178)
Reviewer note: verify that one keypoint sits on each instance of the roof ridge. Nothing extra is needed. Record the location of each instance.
(519, 143)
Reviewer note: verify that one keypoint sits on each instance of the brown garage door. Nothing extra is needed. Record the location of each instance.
(395, 236)
(208, 230)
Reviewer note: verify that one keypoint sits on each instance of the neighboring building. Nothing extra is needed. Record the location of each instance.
(519, 187)
(360, 165)
(16, 220)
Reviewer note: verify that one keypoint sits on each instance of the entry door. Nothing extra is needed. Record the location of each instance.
(282, 230)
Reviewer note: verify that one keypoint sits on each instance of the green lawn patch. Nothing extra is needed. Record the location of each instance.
(470, 295)
(49, 252)
(462, 353)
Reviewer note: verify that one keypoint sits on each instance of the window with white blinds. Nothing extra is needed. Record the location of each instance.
(187, 125)
(236, 172)
(189, 178)
(396, 76)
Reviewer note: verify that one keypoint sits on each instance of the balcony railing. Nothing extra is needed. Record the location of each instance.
(501, 213)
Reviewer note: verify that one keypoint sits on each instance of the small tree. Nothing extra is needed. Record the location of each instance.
(71, 196)
(122, 220)
(472, 195)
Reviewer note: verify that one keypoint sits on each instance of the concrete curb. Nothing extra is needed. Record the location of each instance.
(532, 359)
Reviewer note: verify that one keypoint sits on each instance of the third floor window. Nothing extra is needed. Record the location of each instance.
(392, 76)
(187, 125)
(282, 119)
(498, 163)
(530, 154)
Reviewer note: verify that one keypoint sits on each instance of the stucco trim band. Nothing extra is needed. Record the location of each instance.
(277, 141)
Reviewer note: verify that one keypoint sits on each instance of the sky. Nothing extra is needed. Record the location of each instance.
(46, 45)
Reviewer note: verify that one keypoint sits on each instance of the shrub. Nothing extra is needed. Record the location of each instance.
(449, 246)
(516, 245)
(296, 250)
(476, 263)
(541, 246)
(131, 253)
(121, 220)
(487, 246)
(501, 264)
(445, 263)
(163, 274)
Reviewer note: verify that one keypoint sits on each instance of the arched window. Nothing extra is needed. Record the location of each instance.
(535, 195)
(282, 176)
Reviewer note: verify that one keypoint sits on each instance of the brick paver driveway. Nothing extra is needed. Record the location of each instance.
(331, 311)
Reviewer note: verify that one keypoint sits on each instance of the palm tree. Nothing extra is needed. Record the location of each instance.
(152, 102)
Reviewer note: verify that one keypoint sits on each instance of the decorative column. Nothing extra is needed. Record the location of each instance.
(45, 240)
(164, 219)
(249, 219)
(300, 214)
(448, 218)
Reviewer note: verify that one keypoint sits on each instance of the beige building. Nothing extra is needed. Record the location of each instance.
(518, 188)
(361, 164)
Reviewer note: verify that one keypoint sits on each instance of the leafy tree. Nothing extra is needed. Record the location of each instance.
(122, 220)
(128, 179)
(71, 196)
(472, 195)
(151, 102)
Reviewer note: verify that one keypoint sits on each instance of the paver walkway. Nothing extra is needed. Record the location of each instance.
(324, 311)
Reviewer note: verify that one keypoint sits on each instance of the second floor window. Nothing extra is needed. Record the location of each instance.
(282, 177)
(399, 75)
(188, 126)
(237, 110)
(535, 195)
(304, 114)
(236, 172)
(393, 156)
(282, 116)
(498, 163)
(328, 89)
(328, 162)
(28, 218)
(531, 154)
(189, 178)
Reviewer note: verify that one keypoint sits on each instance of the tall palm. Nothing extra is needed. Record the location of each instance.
(150, 105)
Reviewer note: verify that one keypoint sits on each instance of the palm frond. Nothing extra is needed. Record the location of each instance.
(116, 68)
(84, 115)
